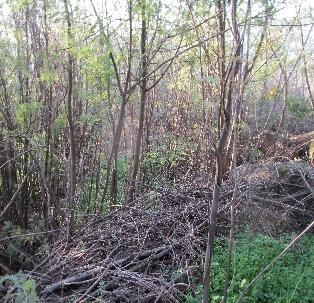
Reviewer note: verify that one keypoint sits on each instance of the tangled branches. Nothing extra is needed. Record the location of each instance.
(149, 251)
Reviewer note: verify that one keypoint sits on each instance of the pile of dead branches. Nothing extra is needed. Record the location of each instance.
(145, 252)
(150, 251)
(276, 196)
(291, 147)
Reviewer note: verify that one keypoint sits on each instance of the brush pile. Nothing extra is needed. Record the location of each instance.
(276, 197)
(145, 252)
(150, 251)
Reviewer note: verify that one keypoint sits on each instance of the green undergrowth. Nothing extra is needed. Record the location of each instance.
(290, 280)
(22, 289)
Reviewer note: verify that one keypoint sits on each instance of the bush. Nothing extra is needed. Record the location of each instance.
(156, 163)
(22, 289)
(299, 107)
(290, 280)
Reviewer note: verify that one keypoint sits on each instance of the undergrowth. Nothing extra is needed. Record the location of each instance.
(22, 289)
(290, 280)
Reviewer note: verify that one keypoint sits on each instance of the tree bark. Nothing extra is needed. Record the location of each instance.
(72, 156)
(220, 156)
(137, 152)
(306, 69)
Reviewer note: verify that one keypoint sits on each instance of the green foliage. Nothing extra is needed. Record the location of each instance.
(159, 165)
(158, 160)
(21, 239)
(154, 160)
(149, 7)
(23, 290)
(18, 5)
(91, 119)
(299, 107)
(60, 122)
(48, 76)
(255, 155)
(176, 156)
(10, 229)
(289, 280)
(27, 111)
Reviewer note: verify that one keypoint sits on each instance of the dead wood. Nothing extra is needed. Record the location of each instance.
(150, 250)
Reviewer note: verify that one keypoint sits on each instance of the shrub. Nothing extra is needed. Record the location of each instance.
(299, 107)
(22, 289)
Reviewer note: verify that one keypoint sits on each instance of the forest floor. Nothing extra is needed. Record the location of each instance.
(151, 250)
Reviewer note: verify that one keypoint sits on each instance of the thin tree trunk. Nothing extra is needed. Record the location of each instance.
(72, 156)
(285, 98)
(125, 94)
(220, 157)
(48, 128)
(25, 191)
(306, 69)
(137, 152)
(222, 65)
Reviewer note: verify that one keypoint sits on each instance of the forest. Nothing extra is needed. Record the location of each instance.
(157, 151)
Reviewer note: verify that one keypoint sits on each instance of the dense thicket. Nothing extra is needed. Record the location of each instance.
(103, 100)
(99, 100)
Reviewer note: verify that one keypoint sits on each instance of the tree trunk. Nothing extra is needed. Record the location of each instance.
(137, 152)
(72, 156)
(306, 69)
(221, 156)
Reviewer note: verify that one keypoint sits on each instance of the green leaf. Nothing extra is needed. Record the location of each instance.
(243, 282)
(28, 286)
(26, 111)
